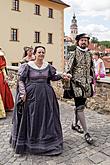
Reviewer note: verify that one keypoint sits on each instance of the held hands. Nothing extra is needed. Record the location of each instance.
(66, 76)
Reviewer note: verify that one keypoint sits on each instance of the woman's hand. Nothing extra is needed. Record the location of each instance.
(23, 98)
(69, 75)
(66, 76)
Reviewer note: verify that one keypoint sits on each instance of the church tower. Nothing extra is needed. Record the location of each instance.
(73, 28)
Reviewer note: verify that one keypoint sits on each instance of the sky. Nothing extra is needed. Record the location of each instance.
(93, 17)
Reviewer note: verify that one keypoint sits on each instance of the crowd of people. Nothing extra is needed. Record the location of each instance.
(36, 125)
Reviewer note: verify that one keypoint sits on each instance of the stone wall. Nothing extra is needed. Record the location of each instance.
(12, 76)
(99, 102)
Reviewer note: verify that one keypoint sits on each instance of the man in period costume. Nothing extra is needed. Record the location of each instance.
(81, 67)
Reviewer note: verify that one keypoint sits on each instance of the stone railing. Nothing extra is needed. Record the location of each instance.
(100, 101)
(12, 76)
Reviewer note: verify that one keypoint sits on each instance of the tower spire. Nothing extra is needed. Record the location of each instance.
(73, 28)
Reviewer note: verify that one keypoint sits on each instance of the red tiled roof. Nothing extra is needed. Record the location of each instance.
(106, 60)
(67, 38)
(60, 2)
(107, 50)
(94, 47)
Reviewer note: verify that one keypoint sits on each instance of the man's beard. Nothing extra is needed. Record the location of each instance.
(83, 46)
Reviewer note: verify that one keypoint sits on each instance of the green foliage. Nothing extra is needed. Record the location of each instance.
(105, 43)
(94, 40)
(71, 48)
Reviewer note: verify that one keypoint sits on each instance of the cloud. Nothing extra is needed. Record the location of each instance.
(93, 16)
(90, 4)
(96, 30)
(95, 5)
(90, 7)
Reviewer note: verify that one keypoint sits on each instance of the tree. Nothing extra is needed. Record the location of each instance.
(105, 43)
(94, 40)
(71, 48)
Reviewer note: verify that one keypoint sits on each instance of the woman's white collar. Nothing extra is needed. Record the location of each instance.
(33, 65)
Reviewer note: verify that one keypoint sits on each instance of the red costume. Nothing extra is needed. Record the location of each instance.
(5, 92)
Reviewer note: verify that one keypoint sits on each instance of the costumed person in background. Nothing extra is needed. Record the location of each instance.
(28, 55)
(99, 66)
(6, 98)
(80, 66)
(39, 130)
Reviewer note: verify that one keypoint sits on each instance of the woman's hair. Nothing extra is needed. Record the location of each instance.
(26, 49)
(35, 49)
(97, 54)
(25, 54)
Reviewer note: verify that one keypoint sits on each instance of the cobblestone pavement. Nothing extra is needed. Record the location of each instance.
(76, 150)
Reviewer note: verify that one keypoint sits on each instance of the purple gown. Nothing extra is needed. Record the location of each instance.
(37, 128)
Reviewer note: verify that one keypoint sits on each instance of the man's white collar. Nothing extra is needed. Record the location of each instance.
(83, 50)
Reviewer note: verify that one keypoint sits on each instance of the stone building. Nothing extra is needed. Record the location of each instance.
(67, 42)
(70, 40)
(32, 23)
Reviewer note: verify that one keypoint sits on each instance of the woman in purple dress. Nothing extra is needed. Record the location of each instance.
(38, 129)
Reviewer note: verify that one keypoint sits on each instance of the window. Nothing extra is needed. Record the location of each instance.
(14, 63)
(50, 14)
(14, 34)
(49, 38)
(37, 9)
(37, 37)
(15, 5)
